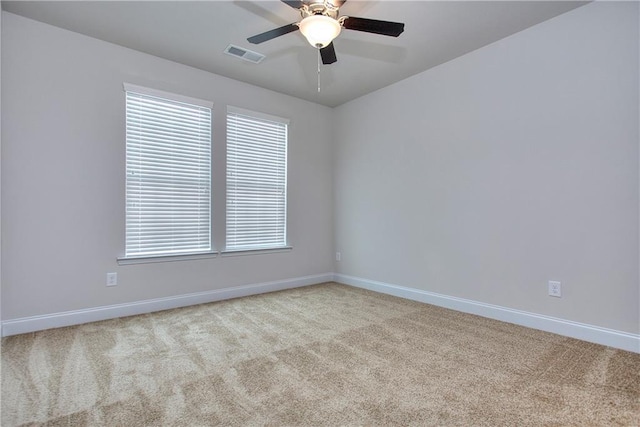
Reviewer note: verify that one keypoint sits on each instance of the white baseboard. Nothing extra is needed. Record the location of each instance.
(581, 331)
(595, 334)
(76, 317)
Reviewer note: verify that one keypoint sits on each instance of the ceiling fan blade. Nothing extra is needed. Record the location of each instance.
(296, 4)
(385, 28)
(272, 34)
(328, 54)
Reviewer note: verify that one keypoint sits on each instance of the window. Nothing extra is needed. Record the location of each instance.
(256, 181)
(168, 174)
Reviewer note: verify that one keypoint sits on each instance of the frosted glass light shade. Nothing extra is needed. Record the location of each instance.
(319, 30)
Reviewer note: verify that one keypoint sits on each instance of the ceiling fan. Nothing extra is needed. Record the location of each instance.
(321, 24)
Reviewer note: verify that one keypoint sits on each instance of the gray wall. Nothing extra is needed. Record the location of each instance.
(489, 175)
(63, 175)
(482, 178)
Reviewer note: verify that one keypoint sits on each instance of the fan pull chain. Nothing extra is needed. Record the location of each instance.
(318, 70)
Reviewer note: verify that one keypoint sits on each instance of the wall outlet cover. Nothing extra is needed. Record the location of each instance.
(555, 289)
(112, 279)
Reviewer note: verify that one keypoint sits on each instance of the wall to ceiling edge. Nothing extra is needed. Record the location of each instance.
(63, 182)
(486, 177)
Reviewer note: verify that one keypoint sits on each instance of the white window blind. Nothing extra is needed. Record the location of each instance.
(256, 181)
(168, 167)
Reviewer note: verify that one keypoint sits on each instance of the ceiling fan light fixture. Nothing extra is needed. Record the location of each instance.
(320, 30)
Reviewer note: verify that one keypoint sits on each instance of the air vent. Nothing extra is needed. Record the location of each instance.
(242, 53)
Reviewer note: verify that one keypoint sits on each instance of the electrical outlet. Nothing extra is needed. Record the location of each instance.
(338, 256)
(112, 279)
(555, 289)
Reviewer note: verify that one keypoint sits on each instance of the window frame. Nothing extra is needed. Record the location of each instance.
(171, 256)
(250, 250)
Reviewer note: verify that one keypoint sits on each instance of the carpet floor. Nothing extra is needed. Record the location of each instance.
(320, 355)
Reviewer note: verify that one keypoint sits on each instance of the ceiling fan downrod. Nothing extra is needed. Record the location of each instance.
(318, 70)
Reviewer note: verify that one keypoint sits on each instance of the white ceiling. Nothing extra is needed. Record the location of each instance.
(196, 34)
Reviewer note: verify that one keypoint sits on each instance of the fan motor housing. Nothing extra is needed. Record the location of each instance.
(325, 8)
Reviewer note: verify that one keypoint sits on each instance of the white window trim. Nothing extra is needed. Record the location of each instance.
(212, 253)
(243, 252)
(257, 115)
(128, 87)
(166, 258)
(227, 252)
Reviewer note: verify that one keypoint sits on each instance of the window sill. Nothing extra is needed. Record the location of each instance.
(242, 252)
(165, 258)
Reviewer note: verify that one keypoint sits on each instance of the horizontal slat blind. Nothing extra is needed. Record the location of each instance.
(168, 177)
(256, 182)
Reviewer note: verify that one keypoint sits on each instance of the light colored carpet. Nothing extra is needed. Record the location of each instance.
(320, 355)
